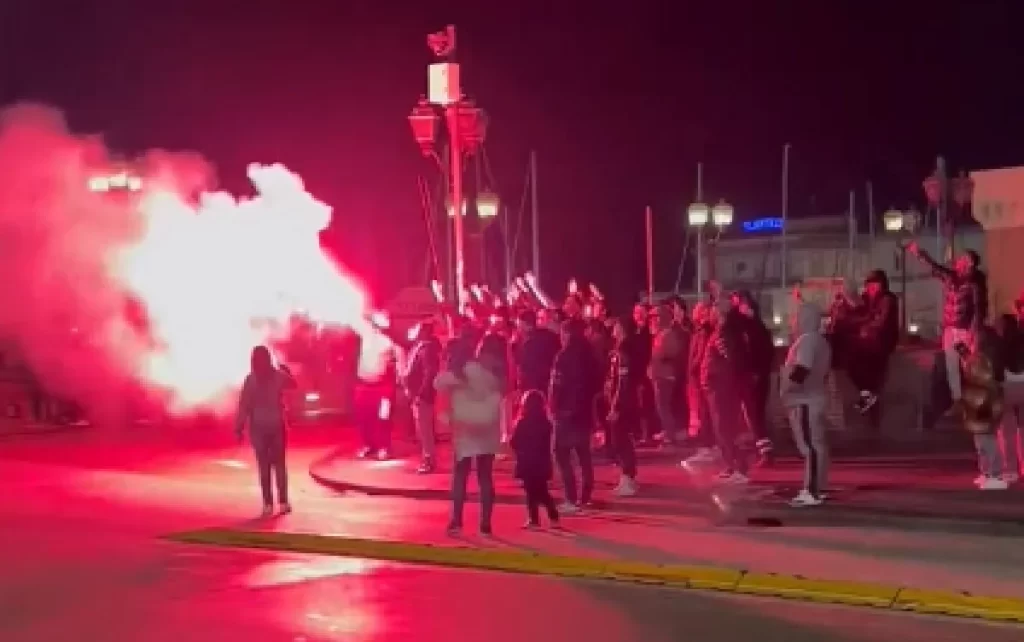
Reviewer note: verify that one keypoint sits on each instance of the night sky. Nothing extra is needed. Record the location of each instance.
(620, 104)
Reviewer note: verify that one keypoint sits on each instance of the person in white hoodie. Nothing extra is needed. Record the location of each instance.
(476, 396)
(804, 395)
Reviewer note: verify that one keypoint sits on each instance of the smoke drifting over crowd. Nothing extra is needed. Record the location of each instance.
(164, 290)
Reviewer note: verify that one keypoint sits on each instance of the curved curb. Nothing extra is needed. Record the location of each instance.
(692, 507)
(894, 598)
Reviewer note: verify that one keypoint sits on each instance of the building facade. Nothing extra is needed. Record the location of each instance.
(999, 208)
(826, 252)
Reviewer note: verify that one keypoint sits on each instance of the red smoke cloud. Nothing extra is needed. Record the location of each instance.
(163, 290)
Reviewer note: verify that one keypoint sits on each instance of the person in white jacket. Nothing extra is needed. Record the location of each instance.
(475, 420)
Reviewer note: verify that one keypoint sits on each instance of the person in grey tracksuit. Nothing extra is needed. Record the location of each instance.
(261, 408)
(804, 395)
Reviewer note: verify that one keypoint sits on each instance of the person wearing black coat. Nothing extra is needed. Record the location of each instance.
(531, 442)
(575, 380)
(760, 348)
(622, 388)
(535, 353)
(422, 366)
(875, 327)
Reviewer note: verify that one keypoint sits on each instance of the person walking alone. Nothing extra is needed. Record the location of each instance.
(261, 409)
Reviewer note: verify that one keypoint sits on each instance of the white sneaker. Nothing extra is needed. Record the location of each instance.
(737, 479)
(702, 456)
(568, 508)
(979, 480)
(805, 498)
(626, 487)
(993, 483)
(1011, 478)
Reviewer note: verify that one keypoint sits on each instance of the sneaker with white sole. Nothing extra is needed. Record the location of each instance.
(993, 483)
(805, 498)
(1011, 478)
(626, 487)
(979, 480)
(733, 478)
(568, 508)
(702, 456)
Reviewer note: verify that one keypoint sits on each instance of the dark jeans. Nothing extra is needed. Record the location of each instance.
(484, 479)
(705, 437)
(270, 461)
(727, 419)
(623, 448)
(580, 445)
(601, 409)
(538, 495)
(666, 396)
(649, 423)
(756, 407)
(867, 369)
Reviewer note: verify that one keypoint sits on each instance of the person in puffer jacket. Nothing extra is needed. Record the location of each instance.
(261, 409)
(964, 311)
(722, 380)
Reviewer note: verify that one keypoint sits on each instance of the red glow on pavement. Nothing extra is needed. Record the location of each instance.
(165, 288)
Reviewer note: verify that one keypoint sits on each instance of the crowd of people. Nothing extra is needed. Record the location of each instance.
(554, 380)
(574, 377)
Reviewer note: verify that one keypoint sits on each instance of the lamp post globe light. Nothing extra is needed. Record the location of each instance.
(721, 214)
(487, 205)
(700, 217)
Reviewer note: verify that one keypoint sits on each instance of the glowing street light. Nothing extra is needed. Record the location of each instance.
(700, 216)
(487, 205)
(721, 214)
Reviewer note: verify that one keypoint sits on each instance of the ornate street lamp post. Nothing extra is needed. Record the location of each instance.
(700, 217)
(467, 127)
(905, 224)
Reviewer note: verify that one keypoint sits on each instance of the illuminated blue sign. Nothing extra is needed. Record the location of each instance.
(770, 224)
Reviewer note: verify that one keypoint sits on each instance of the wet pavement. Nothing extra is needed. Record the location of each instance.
(82, 562)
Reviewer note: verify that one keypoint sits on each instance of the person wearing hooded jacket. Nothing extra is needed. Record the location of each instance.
(261, 408)
(804, 395)
(875, 329)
